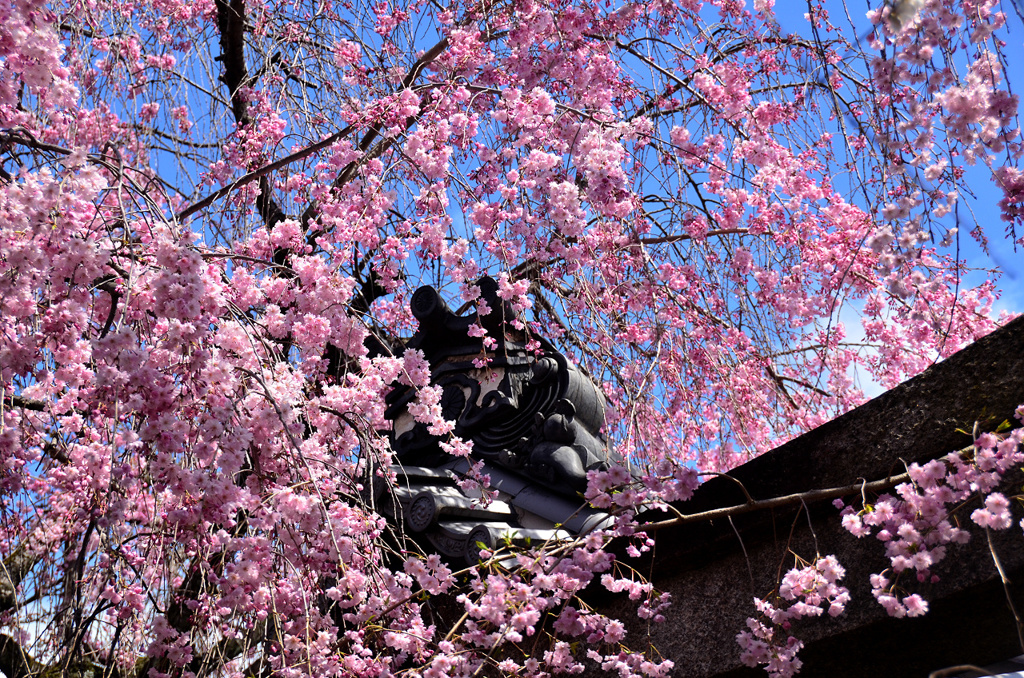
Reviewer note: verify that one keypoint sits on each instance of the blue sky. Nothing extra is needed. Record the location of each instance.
(981, 207)
(1001, 256)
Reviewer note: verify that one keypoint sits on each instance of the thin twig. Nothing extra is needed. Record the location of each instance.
(686, 236)
(750, 568)
(1006, 588)
(750, 499)
(951, 671)
(810, 526)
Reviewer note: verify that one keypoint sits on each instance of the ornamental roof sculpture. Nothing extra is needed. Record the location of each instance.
(534, 420)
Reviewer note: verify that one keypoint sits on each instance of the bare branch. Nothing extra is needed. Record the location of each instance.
(260, 173)
(24, 403)
(779, 502)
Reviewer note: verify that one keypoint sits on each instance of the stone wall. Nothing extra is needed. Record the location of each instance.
(714, 569)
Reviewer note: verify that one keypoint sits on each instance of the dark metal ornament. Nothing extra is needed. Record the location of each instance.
(534, 420)
(532, 412)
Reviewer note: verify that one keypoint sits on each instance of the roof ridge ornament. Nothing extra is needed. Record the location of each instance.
(534, 419)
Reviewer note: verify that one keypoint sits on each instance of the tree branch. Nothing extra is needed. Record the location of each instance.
(260, 173)
(364, 144)
(231, 23)
(24, 403)
(779, 502)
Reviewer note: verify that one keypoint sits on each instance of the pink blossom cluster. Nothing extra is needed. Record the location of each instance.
(506, 607)
(213, 216)
(625, 493)
(811, 590)
(919, 523)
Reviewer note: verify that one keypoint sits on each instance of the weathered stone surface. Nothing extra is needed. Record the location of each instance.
(714, 569)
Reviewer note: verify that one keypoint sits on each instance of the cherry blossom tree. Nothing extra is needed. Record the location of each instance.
(213, 215)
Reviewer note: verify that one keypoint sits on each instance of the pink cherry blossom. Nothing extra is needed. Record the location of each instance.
(213, 217)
